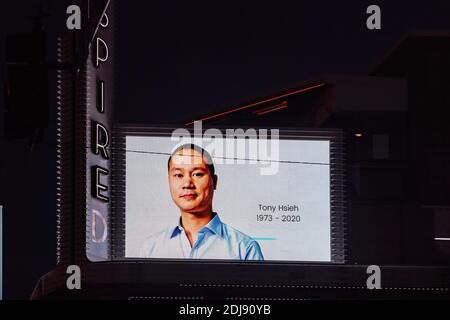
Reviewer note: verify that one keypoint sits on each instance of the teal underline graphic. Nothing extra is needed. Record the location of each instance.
(265, 239)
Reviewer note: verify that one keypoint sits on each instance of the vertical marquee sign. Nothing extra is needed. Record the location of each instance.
(98, 161)
(85, 105)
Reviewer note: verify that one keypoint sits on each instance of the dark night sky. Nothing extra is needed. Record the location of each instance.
(176, 61)
(196, 59)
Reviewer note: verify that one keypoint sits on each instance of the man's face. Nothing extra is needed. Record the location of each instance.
(191, 184)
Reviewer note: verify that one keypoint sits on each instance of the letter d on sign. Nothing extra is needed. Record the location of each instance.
(374, 281)
(74, 281)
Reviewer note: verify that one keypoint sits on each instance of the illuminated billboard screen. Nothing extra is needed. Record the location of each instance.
(258, 195)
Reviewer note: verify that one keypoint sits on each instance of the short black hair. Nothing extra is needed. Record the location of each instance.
(203, 152)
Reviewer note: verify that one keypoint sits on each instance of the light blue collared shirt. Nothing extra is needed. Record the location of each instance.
(215, 241)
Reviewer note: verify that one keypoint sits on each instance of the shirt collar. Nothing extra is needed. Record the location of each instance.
(215, 226)
(177, 230)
